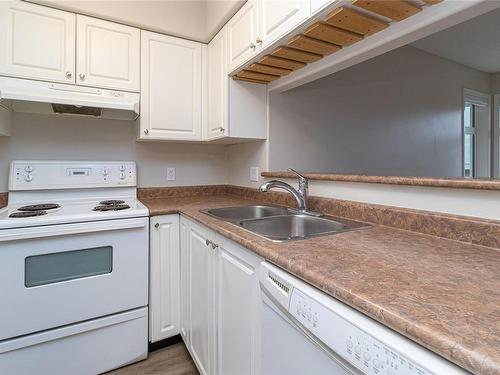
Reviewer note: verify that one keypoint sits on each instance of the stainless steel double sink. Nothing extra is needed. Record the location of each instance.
(281, 224)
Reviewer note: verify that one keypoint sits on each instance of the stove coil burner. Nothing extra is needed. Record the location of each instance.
(27, 214)
(39, 207)
(111, 207)
(111, 202)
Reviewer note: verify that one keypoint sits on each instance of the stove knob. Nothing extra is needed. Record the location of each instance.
(28, 168)
(122, 176)
(105, 171)
(28, 178)
(122, 168)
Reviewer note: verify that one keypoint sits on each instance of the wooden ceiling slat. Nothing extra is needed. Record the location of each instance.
(257, 76)
(267, 69)
(356, 22)
(396, 10)
(432, 2)
(296, 55)
(250, 80)
(281, 63)
(320, 47)
(332, 34)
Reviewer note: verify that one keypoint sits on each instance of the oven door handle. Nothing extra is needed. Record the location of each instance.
(75, 228)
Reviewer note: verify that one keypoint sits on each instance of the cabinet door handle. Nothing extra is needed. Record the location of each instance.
(82, 76)
(146, 131)
(208, 242)
(259, 41)
(157, 225)
(68, 74)
(214, 246)
(220, 128)
(252, 46)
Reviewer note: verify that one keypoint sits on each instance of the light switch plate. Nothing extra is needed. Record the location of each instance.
(254, 174)
(170, 174)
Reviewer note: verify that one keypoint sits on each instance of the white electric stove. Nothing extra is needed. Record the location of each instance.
(74, 265)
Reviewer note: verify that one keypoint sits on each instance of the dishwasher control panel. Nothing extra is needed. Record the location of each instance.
(348, 341)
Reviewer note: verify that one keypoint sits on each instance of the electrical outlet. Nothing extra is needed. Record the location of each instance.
(254, 174)
(170, 174)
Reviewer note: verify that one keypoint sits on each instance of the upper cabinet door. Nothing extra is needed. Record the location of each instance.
(216, 125)
(37, 42)
(277, 17)
(171, 88)
(108, 55)
(242, 32)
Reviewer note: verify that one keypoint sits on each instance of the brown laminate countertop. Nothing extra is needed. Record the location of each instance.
(441, 293)
(444, 182)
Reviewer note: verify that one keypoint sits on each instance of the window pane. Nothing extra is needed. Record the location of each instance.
(468, 155)
(69, 265)
(468, 115)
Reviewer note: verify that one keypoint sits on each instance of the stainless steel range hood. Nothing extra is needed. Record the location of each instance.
(56, 98)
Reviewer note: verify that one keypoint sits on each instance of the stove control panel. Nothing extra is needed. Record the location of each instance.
(355, 346)
(38, 175)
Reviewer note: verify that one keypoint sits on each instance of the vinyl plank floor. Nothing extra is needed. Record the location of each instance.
(172, 360)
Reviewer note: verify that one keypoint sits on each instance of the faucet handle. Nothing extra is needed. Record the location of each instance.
(301, 177)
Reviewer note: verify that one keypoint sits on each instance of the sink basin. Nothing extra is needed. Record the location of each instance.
(282, 228)
(237, 214)
(279, 224)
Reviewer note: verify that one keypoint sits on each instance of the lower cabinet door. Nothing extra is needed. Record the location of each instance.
(164, 277)
(185, 298)
(238, 321)
(220, 314)
(201, 295)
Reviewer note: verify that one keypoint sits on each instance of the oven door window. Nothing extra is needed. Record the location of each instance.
(68, 265)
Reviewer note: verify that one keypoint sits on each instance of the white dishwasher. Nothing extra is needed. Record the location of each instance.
(306, 332)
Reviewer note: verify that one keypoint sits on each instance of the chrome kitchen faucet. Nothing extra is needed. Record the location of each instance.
(300, 195)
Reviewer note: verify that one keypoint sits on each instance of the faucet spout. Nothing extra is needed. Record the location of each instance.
(297, 195)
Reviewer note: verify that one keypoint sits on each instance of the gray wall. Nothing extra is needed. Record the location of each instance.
(41, 137)
(396, 114)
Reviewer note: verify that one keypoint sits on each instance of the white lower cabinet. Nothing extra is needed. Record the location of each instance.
(219, 302)
(164, 277)
(238, 323)
(197, 264)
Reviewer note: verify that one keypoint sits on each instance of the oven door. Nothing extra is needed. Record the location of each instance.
(61, 274)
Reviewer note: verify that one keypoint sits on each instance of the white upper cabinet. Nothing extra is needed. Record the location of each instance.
(277, 17)
(236, 110)
(171, 88)
(216, 125)
(108, 54)
(37, 42)
(242, 32)
(259, 23)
